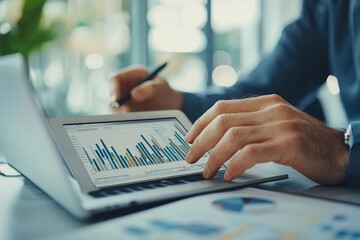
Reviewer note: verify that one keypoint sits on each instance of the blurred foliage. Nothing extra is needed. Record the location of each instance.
(26, 35)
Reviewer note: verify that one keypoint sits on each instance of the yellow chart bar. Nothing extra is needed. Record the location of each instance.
(116, 160)
(157, 160)
(180, 130)
(100, 164)
(139, 161)
(128, 158)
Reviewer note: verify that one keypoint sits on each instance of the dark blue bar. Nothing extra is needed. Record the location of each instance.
(97, 153)
(101, 159)
(107, 150)
(122, 158)
(117, 155)
(169, 150)
(96, 165)
(147, 153)
(176, 151)
(143, 162)
(150, 146)
(181, 140)
(141, 153)
(156, 146)
(158, 149)
(159, 154)
(168, 155)
(165, 154)
(107, 158)
(97, 146)
(180, 129)
(113, 161)
(146, 161)
(134, 160)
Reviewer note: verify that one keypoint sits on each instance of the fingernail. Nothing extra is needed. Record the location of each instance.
(188, 156)
(206, 172)
(227, 177)
(187, 136)
(138, 95)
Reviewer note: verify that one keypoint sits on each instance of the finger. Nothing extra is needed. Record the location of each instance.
(234, 140)
(212, 134)
(124, 81)
(264, 125)
(231, 106)
(251, 155)
(146, 90)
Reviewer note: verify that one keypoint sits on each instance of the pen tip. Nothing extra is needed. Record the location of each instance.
(115, 105)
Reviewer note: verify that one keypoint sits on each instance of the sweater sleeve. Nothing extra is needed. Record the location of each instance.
(294, 70)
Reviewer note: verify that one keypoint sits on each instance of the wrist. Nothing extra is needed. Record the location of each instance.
(342, 156)
(178, 100)
(353, 166)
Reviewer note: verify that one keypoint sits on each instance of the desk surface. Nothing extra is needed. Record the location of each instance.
(28, 213)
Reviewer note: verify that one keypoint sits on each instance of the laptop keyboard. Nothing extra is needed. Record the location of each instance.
(145, 186)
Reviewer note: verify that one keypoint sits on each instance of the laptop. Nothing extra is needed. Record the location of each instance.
(96, 164)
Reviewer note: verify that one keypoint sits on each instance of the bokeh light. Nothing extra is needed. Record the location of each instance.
(224, 76)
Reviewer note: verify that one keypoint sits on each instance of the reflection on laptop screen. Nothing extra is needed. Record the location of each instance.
(116, 153)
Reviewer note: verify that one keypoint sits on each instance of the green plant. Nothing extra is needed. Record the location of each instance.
(27, 34)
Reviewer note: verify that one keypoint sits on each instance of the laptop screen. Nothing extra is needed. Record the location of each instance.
(121, 152)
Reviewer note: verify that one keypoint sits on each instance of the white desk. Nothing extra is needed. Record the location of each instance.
(27, 213)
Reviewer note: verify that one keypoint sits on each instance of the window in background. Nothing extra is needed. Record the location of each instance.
(71, 74)
(176, 35)
(207, 42)
(276, 14)
(235, 25)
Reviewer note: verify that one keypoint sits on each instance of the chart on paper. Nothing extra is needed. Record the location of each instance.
(121, 152)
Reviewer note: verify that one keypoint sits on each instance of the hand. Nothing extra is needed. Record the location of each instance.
(267, 128)
(151, 95)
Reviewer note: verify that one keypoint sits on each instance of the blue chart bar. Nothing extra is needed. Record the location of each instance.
(147, 152)
(120, 159)
(96, 165)
(108, 155)
(182, 140)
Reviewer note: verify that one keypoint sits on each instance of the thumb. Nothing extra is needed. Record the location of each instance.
(143, 92)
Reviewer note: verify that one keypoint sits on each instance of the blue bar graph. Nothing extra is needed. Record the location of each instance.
(147, 151)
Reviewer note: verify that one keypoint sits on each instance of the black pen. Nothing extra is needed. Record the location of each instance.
(151, 76)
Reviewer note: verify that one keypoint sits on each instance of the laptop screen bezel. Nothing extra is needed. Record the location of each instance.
(71, 156)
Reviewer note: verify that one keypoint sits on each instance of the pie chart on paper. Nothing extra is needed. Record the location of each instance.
(244, 205)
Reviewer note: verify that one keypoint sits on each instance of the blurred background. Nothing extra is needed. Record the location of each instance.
(73, 46)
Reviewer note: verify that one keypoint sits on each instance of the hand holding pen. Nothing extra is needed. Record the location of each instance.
(133, 91)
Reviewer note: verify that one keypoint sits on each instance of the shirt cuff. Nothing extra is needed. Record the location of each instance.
(352, 177)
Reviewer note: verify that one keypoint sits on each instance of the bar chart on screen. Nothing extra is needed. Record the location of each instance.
(149, 152)
(120, 152)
